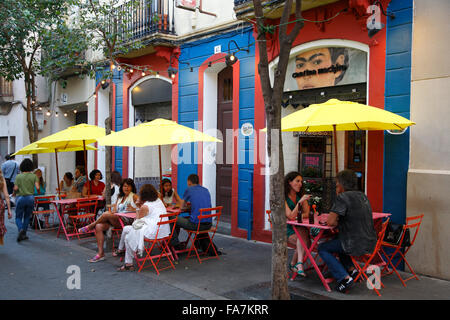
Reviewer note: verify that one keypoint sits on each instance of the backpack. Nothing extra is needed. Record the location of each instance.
(394, 233)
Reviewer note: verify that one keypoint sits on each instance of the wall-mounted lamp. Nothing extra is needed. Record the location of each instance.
(172, 71)
(373, 21)
(231, 58)
(105, 84)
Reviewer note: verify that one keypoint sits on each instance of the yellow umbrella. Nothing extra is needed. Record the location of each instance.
(155, 133)
(33, 148)
(74, 136)
(335, 115)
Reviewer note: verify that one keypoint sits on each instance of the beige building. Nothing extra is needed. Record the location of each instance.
(429, 168)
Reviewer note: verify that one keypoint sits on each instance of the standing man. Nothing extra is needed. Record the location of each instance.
(199, 198)
(352, 214)
(10, 170)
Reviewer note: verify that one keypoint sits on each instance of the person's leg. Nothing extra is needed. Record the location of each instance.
(304, 234)
(104, 218)
(99, 228)
(19, 213)
(125, 232)
(326, 251)
(28, 211)
(182, 222)
(292, 239)
(129, 254)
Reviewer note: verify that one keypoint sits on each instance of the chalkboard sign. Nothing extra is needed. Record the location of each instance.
(312, 164)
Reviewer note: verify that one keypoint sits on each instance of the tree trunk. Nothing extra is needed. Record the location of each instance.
(108, 155)
(272, 101)
(31, 114)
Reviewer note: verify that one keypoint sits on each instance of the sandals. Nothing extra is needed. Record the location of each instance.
(294, 268)
(83, 230)
(118, 253)
(97, 258)
(126, 268)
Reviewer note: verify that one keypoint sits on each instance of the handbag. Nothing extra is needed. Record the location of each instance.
(138, 224)
(394, 232)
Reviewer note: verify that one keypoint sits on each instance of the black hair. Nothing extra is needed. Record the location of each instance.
(26, 165)
(82, 170)
(335, 52)
(68, 175)
(148, 193)
(116, 178)
(347, 178)
(193, 178)
(93, 173)
(289, 178)
(12, 156)
(169, 193)
(129, 182)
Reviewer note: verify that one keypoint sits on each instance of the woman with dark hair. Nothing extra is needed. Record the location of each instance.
(126, 202)
(296, 203)
(132, 239)
(4, 196)
(116, 181)
(170, 197)
(94, 185)
(24, 189)
(67, 183)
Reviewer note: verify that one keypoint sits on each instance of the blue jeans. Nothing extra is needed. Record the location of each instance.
(24, 209)
(338, 268)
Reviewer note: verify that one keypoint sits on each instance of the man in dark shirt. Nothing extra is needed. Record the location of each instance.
(199, 198)
(352, 214)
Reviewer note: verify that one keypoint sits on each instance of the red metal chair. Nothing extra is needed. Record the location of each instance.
(86, 209)
(161, 243)
(371, 259)
(194, 235)
(269, 217)
(412, 223)
(41, 202)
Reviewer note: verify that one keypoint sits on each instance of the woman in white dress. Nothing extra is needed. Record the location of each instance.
(126, 201)
(145, 225)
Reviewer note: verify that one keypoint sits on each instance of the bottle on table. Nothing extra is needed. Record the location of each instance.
(311, 214)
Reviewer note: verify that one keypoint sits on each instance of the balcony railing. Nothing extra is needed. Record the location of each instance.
(6, 90)
(147, 17)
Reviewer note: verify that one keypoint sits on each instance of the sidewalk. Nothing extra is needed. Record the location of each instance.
(243, 273)
(36, 269)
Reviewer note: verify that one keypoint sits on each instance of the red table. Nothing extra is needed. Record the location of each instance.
(308, 256)
(63, 207)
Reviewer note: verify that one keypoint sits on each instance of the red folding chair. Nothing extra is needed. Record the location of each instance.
(86, 209)
(40, 202)
(194, 235)
(160, 243)
(368, 260)
(412, 224)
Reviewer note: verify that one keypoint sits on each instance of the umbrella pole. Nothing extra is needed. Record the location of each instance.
(335, 149)
(57, 174)
(85, 168)
(160, 171)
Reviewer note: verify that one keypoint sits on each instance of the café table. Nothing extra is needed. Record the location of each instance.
(65, 206)
(320, 223)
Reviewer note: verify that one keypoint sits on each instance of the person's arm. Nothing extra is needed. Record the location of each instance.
(332, 219)
(84, 191)
(142, 212)
(5, 193)
(179, 201)
(301, 204)
(37, 185)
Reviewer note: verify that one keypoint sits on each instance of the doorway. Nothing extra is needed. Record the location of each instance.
(224, 123)
(81, 117)
(356, 155)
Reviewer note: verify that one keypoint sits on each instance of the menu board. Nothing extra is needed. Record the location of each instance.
(312, 164)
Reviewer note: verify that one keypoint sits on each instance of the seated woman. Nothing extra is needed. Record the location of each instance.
(132, 240)
(67, 183)
(170, 197)
(126, 201)
(94, 185)
(41, 191)
(296, 202)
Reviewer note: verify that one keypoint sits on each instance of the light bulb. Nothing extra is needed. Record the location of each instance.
(48, 113)
(143, 73)
(74, 111)
(65, 114)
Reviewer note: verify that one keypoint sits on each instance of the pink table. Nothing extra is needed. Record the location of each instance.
(323, 218)
(66, 207)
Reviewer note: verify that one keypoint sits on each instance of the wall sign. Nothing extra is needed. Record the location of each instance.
(325, 67)
(312, 164)
(247, 129)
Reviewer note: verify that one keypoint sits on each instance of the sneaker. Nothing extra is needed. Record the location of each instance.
(344, 285)
(354, 273)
